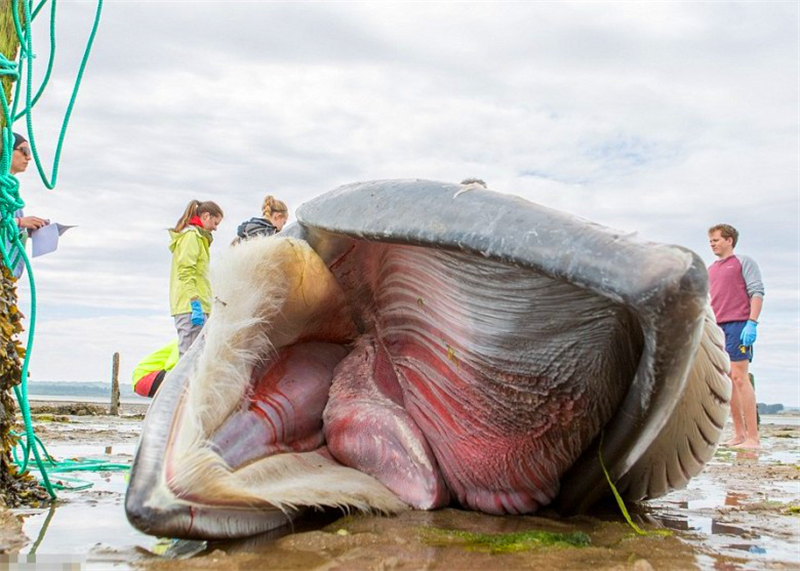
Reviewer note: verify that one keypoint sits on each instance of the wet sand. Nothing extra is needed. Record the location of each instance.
(740, 513)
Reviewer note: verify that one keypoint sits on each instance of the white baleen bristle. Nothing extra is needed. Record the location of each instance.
(267, 291)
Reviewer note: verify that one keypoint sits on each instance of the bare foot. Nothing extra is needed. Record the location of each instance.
(735, 441)
(749, 445)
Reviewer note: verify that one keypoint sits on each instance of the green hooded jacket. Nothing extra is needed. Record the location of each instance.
(188, 276)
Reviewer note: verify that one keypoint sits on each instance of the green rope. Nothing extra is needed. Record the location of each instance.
(620, 501)
(28, 94)
(77, 465)
(11, 247)
(50, 61)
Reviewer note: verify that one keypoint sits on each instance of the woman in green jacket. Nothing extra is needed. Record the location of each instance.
(189, 288)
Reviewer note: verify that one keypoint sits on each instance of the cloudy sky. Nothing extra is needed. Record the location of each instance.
(654, 118)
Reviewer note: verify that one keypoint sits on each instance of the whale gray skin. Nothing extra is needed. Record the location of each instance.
(540, 295)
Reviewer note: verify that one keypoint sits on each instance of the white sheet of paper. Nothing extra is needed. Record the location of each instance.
(45, 239)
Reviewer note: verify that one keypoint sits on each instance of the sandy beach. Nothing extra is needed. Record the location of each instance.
(740, 513)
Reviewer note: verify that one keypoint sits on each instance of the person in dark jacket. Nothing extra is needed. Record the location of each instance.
(275, 214)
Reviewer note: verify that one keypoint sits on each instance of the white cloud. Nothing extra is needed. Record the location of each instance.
(659, 119)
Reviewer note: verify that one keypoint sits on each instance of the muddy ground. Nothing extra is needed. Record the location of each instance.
(740, 513)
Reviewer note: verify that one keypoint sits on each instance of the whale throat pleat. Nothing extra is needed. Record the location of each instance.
(506, 391)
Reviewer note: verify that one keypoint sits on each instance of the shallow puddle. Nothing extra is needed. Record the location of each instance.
(735, 515)
(89, 524)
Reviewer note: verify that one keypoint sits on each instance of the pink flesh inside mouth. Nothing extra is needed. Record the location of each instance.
(453, 391)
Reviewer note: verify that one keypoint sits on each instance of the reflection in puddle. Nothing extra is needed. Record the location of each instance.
(90, 523)
(713, 534)
(43, 531)
(789, 488)
(312, 521)
(734, 498)
(185, 548)
(177, 548)
(714, 510)
(706, 525)
(783, 456)
(725, 529)
(749, 548)
(765, 455)
(700, 524)
(746, 455)
(713, 496)
(60, 451)
(781, 419)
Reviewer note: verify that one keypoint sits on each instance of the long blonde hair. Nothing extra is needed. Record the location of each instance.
(196, 208)
(272, 206)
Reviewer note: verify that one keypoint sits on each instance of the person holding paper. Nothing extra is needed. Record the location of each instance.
(20, 157)
(45, 239)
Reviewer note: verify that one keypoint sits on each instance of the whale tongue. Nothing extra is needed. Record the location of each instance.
(367, 428)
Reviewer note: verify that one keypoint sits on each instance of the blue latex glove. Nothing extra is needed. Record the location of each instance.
(748, 336)
(198, 317)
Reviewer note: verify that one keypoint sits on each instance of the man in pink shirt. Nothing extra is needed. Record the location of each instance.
(737, 295)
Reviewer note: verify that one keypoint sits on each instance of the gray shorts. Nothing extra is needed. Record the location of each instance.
(187, 332)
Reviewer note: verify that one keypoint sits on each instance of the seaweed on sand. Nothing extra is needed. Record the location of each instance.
(503, 542)
(15, 489)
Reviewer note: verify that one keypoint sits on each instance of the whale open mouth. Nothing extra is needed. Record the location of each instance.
(469, 354)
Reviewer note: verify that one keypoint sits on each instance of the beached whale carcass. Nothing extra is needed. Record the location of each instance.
(412, 343)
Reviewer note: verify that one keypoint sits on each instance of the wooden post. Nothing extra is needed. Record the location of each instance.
(115, 386)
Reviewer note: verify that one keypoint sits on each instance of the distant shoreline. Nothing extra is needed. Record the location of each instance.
(87, 399)
(51, 403)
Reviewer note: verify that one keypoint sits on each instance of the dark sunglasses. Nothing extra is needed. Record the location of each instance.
(26, 152)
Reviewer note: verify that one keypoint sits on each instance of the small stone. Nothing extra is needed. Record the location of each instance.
(342, 532)
(642, 565)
